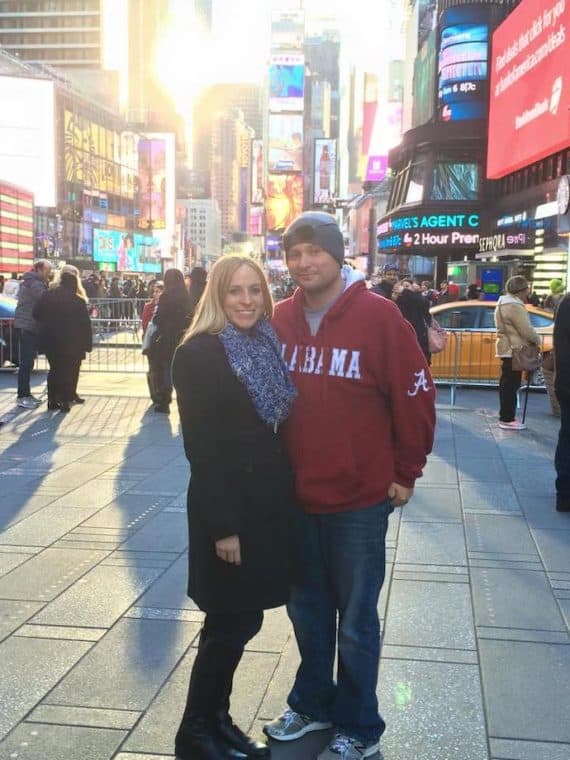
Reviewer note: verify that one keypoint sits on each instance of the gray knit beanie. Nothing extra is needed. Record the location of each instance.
(319, 228)
(516, 284)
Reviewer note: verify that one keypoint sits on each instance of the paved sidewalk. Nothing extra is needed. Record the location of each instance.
(98, 638)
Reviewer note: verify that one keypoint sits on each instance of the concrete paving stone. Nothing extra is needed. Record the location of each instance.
(18, 480)
(143, 756)
(553, 548)
(275, 698)
(31, 741)
(385, 590)
(429, 654)
(97, 493)
(560, 585)
(180, 500)
(8, 549)
(48, 660)
(10, 561)
(84, 716)
(438, 471)
(100, 598)
(116, 473)
(565, 608)
(155, 458)
(427, 543)
(68, 452)
(506, 565)
(13, 614)
(169, 591)
(168, 481)
(251, 682)
(74, 475)
(433, 711)
(417, 618)
(482, 470)
(532, 479)
(444, 448)
(502, 557)
(426, 505)
(143, 653)
(17, 505)
(114, 453)
(163, 532)
(65, 543)
(539, 713)
(46, 575)
(156, 613)
(480, 497)
(523, 634)
(500, 534)
(159, 563)
(511, 749)
(540, 512)
(440, 578)
(479, 447)
(524, 447)
(274, 633)
(61, 632)
(404, 567)
(126, 512)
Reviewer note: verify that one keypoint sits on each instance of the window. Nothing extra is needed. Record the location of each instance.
(415, 189)
(455, 182)
(537, 320)
(458, 318)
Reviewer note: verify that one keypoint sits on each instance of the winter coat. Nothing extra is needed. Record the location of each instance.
(172, 318)
(383, 288)
(365, 414)
(64, 324)
(32, 288)
(562, 350)
(514, 329)
(415, 308)
(241, 484)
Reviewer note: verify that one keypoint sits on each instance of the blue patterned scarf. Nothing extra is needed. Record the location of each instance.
(255, 359)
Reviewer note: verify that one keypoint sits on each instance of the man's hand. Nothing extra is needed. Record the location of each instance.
(228, 549)
(399, 495)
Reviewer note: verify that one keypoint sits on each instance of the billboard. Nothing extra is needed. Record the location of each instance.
(285, 142)
(257, 171)
(287, 82)
(288, 30)
(284, 199)
(128, 252)
(423, 106)
(386, 134)
(530, 86)
(324, 173)
(152, 184)
(89, 154)
(27, 137)
(463, 64)
(16, 228)
(256, 220)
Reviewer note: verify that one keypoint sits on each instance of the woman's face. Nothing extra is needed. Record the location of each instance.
(244, 304)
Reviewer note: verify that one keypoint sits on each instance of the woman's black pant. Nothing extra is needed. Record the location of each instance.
(220, 650)
(62, 377)
(509, 384)
(160, 378)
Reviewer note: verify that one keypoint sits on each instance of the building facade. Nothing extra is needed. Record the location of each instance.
(203, 230)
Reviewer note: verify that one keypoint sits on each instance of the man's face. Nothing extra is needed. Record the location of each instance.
(45, 272)
(312, 268)
(391, 276)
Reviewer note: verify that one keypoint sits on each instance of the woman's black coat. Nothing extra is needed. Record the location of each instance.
(65, 327)
(172, 317)
(415, 308)
(241, 484)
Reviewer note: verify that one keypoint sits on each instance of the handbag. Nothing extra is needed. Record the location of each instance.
(149, 338)
(437, 337)
(526, 358)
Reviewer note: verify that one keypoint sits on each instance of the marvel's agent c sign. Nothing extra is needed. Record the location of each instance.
(429, 231)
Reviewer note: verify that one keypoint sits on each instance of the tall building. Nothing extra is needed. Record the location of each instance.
(203, 13)
(62, 33)
(204, 230)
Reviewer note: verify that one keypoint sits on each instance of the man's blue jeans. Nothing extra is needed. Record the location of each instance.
(562, 456)
(344, 568)
(29, 344)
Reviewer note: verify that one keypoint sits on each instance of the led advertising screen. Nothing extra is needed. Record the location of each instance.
(386, 134)
(16, 228)
(423, 106)
(284, 199)
(530, 86)
(324, 173)
(256, 220)
(129, 253)
(285, 142)
(288, 30)
(463, 64)
(257, 171)
(286, 82)
(152, 184)
(27, 137)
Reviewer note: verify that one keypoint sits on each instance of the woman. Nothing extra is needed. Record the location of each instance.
(172, 317)
(233, 393)
(65, 337)
(415, 308)
(155, 291)
(514, 330)
(198, 277)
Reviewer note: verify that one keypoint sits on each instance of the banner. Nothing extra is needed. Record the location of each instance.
(324, 171)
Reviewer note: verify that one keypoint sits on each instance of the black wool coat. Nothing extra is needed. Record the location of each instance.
(241, 484)
(64, 324)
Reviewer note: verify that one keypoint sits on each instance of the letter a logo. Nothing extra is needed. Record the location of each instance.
(421, 383)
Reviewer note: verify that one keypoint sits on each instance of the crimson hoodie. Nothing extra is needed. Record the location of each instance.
(365, 414)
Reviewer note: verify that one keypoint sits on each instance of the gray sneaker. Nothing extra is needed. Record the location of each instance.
(28, 402)
(292, 725)
(345, 747)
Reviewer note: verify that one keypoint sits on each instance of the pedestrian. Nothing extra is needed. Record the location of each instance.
(557, 291)
(429, 293)
(357, 438)
(514, 330)
(33, 285)
(198, 277)
(474, 292)
(172, 317)
(233, 393)
(65, 337)
(116, 295)
(155, 291)
(415, 309)
(12, 286)
(562, 387)
(386, 284)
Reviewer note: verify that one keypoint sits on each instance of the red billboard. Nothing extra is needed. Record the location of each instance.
(530, 86)
(16, 229)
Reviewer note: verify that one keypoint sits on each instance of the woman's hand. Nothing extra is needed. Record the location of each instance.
(228, 549)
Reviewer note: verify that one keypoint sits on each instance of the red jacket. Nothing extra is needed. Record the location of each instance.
(365, 415)
(147, 312)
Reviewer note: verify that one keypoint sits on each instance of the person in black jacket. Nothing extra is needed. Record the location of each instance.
(562, 389)
(65, 337)
(386, 284)
(172, 317)
(414, 308)
(233, 392)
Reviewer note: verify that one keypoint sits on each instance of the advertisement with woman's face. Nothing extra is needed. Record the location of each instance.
(285, 142)
(284, 200)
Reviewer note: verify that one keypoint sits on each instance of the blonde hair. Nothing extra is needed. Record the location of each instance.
(70, 269)
(210, 316)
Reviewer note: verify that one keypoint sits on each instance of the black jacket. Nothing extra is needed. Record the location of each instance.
(562, 350)
(241, 485)
(383, 288)
(64, 324)
(172, 317)
(415, 308)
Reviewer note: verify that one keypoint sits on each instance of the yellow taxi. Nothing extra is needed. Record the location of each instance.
(471, 340)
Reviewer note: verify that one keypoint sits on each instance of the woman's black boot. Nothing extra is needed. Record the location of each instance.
(198, 739)
(236, 739)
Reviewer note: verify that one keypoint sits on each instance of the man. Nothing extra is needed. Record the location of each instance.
(33, 285)
(386, 284)
(357, 437)
(12, 286)
(562, 388)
